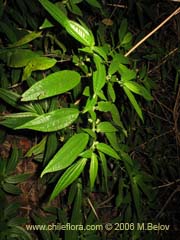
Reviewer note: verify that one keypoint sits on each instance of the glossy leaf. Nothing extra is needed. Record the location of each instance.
(101, 52)
(111, 92)
(54, 84)
(77, 31)
(71, 174)
(93, 170)
(52, 121)
(103, 147)
(114, 65)
(55, 12)
(99, 76)
(105, 127)
(38, 63)
(80, 33)
(138, 89)
(133, 102)
(15, 120)
(68, 153)
(46, 24)
(126, 73)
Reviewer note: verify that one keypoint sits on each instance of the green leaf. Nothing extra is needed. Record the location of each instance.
(11, 209)
(110, 107)
(119, 196)
(93, 170)
(101, 52)
(114, 65)
(20, 57)
(77, 31)
(123, 29)
(12, 99)
(138, 89)
(68, 153)
(126, 73)
(104, 167)
(46, 24)
(103, 147)
(133, 102)
(38, 148)
(8, 31)
(105, 127)
(112, 138)
(127, 39)
(15, 120)
(10, 188)
(52, 121)
(111, 92)
(38, 63)
(18, 231)
(80, 33)
(99, 76)
(54, 84)
(17, 178)
(136, 196)
(69, 176)
(26, 39)
(12, 161)
(94, 3)
(55, 12)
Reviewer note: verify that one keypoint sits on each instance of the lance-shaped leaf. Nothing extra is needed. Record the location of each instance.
(38, 63)
(138, 89)
(19, 57)
(68, 153)
(99, 76)
(103, 147)
(106, 127)
(12, 99)
(69, 176)
(126, 73)
(93, 170)
(52, 121)
(54, 11)
(26, 39)
(79, 32)
(15, 120)
(54, 84)
(133, 102)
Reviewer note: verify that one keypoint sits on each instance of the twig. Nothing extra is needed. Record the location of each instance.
(93, 209)
(163, 60)
(167, 184)
(117, 5)
(156, 137)
(152, 32)
(168, 200)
